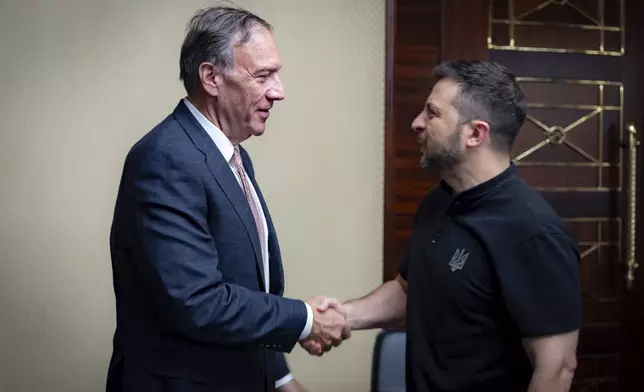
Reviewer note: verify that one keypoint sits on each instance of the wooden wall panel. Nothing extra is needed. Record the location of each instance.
(413, 49)
(465, 29)
(420, 34)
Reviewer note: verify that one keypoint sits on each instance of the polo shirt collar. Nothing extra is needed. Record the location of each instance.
(471, 197)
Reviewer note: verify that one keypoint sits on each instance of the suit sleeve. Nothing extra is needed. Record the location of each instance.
(280, 367)
(178, 264)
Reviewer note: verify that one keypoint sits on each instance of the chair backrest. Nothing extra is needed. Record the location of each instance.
(388, 367)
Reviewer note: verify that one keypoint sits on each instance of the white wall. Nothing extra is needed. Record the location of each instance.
(81, 80)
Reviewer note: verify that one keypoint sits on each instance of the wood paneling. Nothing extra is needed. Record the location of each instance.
(462, 20)
(413, 49)
(420, 34)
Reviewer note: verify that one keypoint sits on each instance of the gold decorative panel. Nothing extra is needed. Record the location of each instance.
(568, 140)
(593, 27)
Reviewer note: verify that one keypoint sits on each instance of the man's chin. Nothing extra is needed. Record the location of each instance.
(256, 128)
(259, 131)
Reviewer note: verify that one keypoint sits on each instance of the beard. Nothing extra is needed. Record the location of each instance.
(445, 157)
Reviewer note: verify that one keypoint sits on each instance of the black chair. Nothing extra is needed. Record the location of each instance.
(388, 366)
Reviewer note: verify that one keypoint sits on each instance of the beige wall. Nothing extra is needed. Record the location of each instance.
(80, 81)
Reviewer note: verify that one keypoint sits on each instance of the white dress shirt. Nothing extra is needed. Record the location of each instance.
(227, 149)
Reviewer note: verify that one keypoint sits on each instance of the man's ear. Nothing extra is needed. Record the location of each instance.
(480, 131)
(211, 78)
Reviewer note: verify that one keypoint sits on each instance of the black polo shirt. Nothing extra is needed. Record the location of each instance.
(485, 268)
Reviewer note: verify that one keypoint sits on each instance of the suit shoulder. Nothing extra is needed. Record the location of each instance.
(167, 140)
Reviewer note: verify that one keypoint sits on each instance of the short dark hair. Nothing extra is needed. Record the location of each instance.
(211, 35)
(488, 92)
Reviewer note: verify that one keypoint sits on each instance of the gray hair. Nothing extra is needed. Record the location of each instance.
(211, 35)
(488, 92)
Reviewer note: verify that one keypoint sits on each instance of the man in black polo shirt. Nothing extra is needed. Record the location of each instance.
(489, 286)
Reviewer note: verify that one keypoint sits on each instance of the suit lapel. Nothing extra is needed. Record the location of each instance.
(224, 176)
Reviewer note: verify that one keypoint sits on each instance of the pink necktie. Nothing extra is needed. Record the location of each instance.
(239, 166)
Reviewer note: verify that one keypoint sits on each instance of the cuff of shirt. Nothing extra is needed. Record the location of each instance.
(309, 322)
(284, 380)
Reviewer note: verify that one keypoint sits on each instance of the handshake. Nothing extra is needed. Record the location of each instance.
(330, 325)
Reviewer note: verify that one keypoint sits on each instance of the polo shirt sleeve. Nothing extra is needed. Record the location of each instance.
(540, 285)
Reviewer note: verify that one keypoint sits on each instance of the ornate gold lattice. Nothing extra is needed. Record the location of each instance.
(558, 134)
(529, 19)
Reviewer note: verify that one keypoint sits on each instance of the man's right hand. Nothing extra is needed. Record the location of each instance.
(329, 327)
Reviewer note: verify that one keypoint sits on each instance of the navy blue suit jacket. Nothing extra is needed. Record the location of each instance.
(192, 311)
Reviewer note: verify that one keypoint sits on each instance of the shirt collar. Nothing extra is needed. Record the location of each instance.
(221, 141)
(471, 197)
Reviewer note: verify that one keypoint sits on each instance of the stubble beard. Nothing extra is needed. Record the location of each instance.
(446, 158)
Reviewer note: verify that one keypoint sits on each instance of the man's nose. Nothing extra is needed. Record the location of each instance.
(276, 91)
(418, 125)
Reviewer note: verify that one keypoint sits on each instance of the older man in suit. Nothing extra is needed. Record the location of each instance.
(196, 263)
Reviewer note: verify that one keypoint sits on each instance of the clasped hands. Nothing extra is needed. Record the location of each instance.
(330, 327)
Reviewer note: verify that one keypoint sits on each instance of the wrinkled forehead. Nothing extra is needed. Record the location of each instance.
(260, 52)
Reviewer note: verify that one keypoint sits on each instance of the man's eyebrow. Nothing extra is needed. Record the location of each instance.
(270, 69)
(432, 108)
